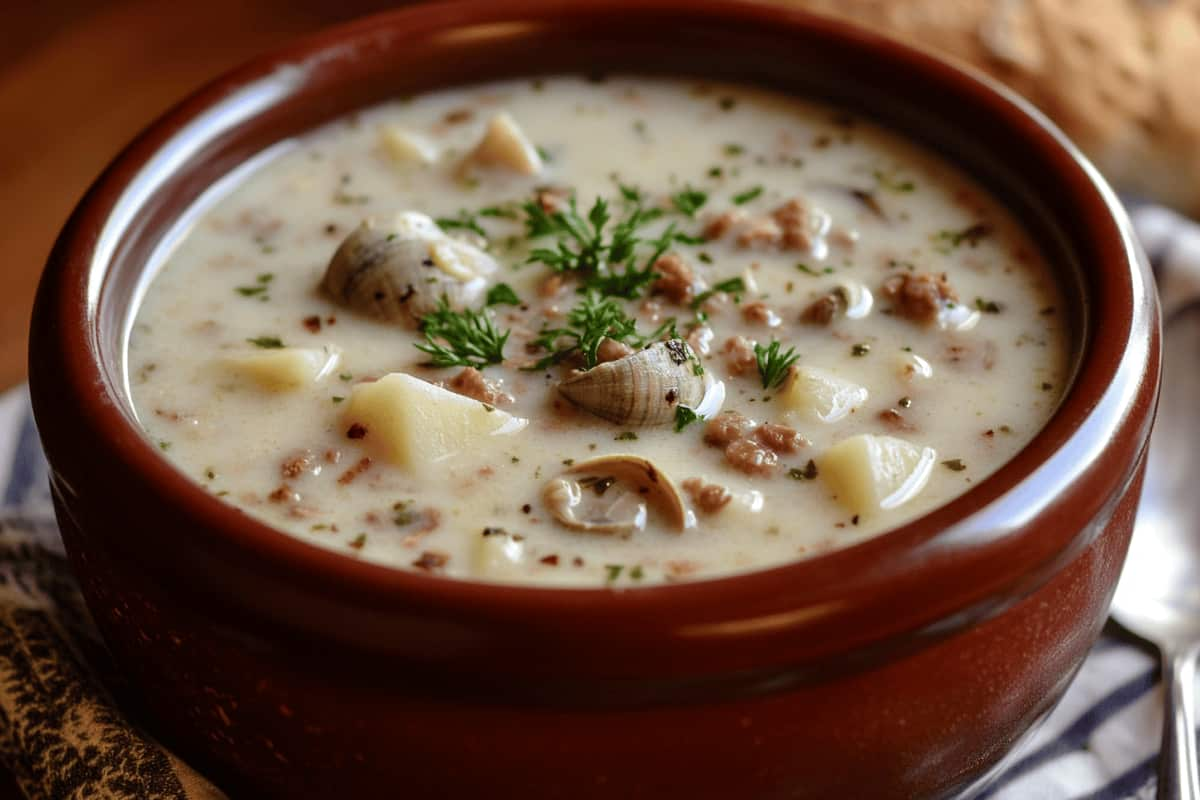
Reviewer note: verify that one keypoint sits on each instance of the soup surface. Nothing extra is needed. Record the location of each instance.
(597, 332)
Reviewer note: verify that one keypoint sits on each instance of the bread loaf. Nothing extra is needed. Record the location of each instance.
(1121, 77)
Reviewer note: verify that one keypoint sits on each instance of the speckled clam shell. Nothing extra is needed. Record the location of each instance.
(393, 278)
(640, 389)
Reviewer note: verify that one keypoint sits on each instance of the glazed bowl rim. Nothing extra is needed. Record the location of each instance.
(981, 518)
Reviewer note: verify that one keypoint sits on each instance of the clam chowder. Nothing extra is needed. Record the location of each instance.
(597, 332)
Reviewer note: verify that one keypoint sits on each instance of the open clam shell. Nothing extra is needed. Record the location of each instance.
(612, 494)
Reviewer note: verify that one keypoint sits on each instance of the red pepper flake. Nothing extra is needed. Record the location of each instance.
(431, 560)
(349, 475)
(313, 323)
(526, 508)
(356, 431)
(551, 560)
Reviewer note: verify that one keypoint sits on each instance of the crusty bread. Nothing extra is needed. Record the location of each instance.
(1121, 77)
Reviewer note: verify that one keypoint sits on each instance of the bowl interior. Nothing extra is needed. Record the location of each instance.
(130, 218)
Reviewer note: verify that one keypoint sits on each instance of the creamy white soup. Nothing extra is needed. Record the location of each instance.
(597, 332)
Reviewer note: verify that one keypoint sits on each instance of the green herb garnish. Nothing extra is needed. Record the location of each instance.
(689, 201)
(892, 184)
(773, 365)
(502, 295)
(987, 306)
(685, 416)
(613, 571)
(588, 324)
(468, 338)
(945, 241)
(733, 286)
(464, 221)
(741, 198)
(267, 342)
(626, 436)
(260, 288)
(954, 464)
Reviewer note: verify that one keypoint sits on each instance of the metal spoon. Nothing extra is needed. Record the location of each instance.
(1158, 597)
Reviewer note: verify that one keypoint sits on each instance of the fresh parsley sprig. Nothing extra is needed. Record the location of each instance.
(589, 323)
(733, 286)
(461, 338)
(773, 365)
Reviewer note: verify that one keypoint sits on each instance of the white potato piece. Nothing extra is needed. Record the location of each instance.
(414, 424)
(405, 147)
(285, 368)
(497, 554)
(821, 395)
(504, 145)
(876, 473)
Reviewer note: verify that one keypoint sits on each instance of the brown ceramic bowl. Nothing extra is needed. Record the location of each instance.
(906, 666)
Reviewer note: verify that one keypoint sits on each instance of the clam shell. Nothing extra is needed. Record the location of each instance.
(619, 508)
(640, 389)
(398, 273)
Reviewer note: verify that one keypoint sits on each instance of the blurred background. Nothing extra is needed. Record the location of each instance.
(78, 78)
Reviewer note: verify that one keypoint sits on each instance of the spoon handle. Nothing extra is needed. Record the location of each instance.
(1178, 777)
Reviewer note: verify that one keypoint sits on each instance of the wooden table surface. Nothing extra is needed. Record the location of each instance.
(78, 78)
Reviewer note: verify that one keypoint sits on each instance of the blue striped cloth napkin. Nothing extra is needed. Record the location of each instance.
(1100, 742)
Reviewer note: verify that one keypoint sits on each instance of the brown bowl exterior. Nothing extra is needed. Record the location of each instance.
(902, 667)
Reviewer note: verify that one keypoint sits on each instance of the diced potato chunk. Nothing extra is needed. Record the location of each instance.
(504, 145)
(285, 368)
(405, 146)
(876, 473)
(414, 424)
(497, 554)
(822, 395)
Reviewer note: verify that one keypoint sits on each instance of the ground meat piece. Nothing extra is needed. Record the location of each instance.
(763, 231)
(739, 354)
(719, 226)
(431, 560)
(822, 310)
(296, 464)
(727, 427)
(708, 497)
(552, 198)
(779, 438)
(919, 296)
(750, 457)
(282, 494)
(760, 313)
(612, 350)
(843, 237)
(700, 340)
(471, 383)
(677, 280)
(792, 219)
(359, 468)
(895, 420)
(313, 323)
(552, 286)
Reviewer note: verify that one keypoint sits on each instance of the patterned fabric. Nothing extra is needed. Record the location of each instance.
(65, 733)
